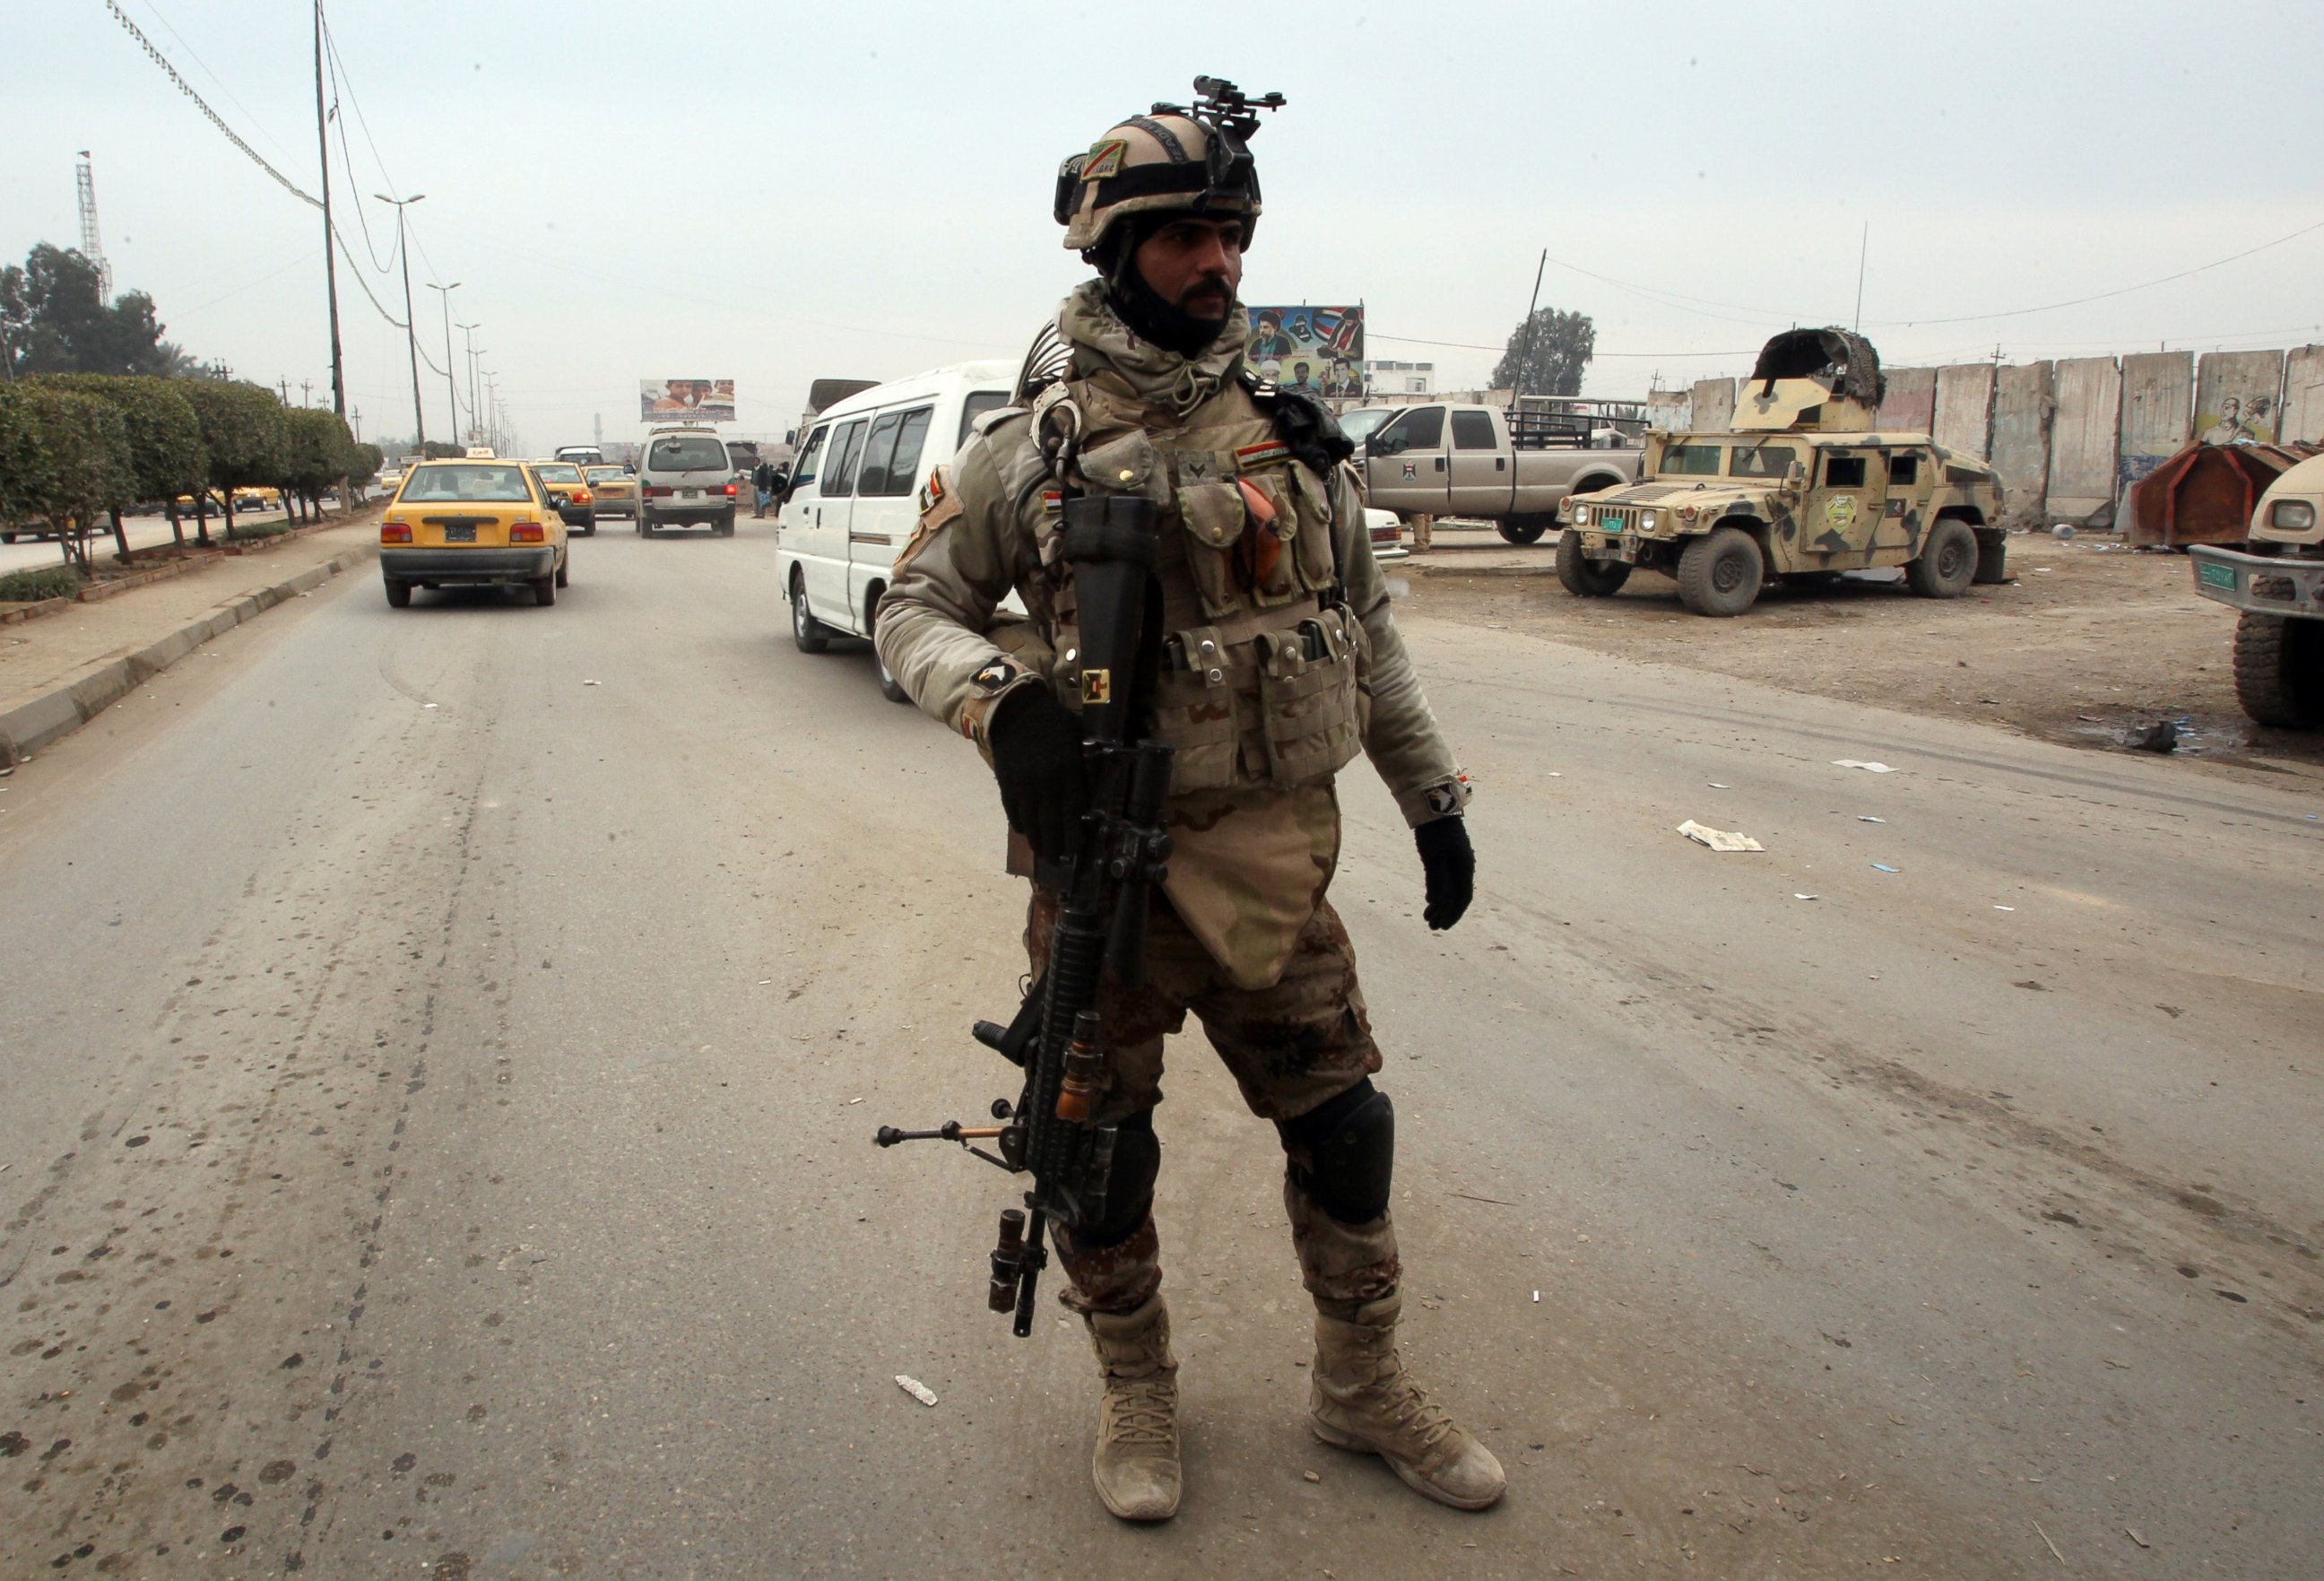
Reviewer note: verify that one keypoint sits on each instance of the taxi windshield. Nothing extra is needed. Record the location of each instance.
(470, 482)
(557, 472)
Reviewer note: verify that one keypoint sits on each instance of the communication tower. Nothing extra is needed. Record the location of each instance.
(91, 247)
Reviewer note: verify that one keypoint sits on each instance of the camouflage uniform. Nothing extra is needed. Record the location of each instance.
(1283, 663)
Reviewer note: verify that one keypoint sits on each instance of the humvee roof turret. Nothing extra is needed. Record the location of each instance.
(1801, 486)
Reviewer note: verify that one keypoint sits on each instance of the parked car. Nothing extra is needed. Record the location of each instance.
(467, 523)
(613, 491)
(570, 494)
(853, 494)
(686, 481)
(1512, 468)
(1386, 535)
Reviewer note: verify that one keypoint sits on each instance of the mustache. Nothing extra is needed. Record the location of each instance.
(1207, 285)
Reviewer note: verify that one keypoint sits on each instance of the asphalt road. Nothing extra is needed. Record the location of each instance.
(443, 1046)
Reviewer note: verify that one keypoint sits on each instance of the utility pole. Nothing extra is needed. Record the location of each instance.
(92, 246)
(330, 244)
(1863, 251)
(451, 383)
(1525, 356)
(355, 418)
(410, 333)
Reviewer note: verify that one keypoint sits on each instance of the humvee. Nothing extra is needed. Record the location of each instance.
(1801, 487)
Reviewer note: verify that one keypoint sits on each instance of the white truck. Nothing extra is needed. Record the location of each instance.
(1508, 467)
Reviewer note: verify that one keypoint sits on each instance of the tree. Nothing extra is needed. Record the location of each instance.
(63, 454)
(1546, 354)
(321, 452)
(246, 437)
(166, 457)
(54, 319)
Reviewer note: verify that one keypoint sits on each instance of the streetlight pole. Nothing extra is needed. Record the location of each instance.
(330, 244)
(411, 334)
(493, 404)
(475, 412)
(451, 383)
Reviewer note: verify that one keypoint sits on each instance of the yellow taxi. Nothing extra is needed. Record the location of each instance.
(456, 523)
(568, 493)
(615, 490)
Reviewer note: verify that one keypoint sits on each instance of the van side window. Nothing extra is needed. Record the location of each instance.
(978, 404)
(1843, 472)
(803, 470)
(1473, 430)
(841, 479)
(911, 439)
(872, 471)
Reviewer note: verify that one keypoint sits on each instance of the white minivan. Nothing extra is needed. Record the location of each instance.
(854, 495)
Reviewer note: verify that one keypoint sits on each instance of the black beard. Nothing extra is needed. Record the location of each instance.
(1165, 324)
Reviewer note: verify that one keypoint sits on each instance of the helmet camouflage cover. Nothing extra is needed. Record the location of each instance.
(1175, 161)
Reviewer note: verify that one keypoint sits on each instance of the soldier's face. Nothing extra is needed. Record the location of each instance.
(1194, 264)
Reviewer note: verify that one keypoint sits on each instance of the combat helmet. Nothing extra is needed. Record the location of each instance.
(1176, 159)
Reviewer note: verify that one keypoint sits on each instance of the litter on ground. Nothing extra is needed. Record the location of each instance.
(916, 1389)
(1884, 867)
(1860, 763)
(1867, 817)
(2005, 908)
(1803, 897)
(1717, 839)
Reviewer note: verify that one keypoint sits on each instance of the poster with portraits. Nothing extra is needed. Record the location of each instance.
(1318, 349)
(686, 400)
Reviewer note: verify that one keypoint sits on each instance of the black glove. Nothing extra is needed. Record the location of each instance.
(1037, 756)
(1450, 866)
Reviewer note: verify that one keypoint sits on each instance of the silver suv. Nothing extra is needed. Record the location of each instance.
(685, 480)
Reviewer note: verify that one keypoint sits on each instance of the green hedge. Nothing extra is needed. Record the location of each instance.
(30, 587)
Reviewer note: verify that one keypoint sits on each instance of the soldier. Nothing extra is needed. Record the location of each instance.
(1282, 661)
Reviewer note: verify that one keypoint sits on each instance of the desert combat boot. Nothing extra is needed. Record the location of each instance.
(1136, 1465)
(1362, 1399)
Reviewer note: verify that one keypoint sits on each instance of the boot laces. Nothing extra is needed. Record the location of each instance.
(1141, 1411)
(1406, 1408)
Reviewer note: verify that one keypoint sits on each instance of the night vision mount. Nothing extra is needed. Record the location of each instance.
(1230, 116)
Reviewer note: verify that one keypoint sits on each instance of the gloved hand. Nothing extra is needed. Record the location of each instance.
(1037, 756)
(1450, 863)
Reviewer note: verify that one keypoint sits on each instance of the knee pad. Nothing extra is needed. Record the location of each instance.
(1129, 1189)
(1343, 1153)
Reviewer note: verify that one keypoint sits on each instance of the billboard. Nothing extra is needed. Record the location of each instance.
(686, 400)
(1317, 349)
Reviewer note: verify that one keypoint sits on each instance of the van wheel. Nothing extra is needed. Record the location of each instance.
(1523, 528)
(1719, 573)
(807, 634)
(889, 686)
(1947, 563)
(1585, 577)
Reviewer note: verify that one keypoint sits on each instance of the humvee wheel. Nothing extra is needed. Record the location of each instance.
(2280, 670)
(1947, 563)
(1992, 558)
(1720, 573)
(1585, 577)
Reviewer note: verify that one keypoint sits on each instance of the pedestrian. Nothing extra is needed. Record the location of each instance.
(1265, 571)
(762, 481)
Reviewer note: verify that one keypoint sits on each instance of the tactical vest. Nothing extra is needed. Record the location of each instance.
(1258, 684)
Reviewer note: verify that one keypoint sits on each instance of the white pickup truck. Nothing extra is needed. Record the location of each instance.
(1507, 467)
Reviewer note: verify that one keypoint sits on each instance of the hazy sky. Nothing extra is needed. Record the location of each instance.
(777, 193)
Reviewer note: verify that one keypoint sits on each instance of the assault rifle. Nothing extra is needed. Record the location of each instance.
(1058, 1034)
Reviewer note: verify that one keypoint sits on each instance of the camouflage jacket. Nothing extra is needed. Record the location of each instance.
(1254, 816)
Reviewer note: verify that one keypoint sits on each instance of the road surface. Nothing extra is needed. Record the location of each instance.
(443, 1046)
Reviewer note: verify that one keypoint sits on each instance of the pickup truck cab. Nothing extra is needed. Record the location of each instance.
(1511, 468)
(854, 495)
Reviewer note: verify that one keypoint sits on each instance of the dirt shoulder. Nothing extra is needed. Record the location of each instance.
(2085, 643)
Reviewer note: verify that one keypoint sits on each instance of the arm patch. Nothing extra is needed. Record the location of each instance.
(939, 505)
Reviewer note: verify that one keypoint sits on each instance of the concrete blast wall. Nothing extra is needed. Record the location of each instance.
(1911, 404)
(1713, 404)
(2158, 409)
(2304, 396)
(1964, 416)
(1670, 409)
(2235, 396)
(2023, 403)
(2083, 434)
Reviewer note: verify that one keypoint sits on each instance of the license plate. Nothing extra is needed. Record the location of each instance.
(689, 493)
(2211, 576)
(460, 534)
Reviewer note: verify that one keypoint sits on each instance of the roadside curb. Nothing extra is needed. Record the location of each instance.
(1437, 570)
(33, 726)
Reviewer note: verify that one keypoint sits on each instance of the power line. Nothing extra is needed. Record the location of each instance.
(346, 157)
(203, 105)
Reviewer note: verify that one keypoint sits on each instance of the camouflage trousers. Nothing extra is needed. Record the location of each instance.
(1290, 1047)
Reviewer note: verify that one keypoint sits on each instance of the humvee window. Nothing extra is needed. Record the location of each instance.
(1903, 468)
(1843, 472)
(1691, 461)
(1762, 461)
